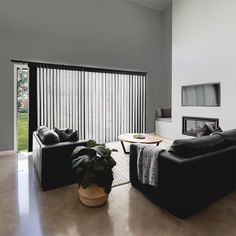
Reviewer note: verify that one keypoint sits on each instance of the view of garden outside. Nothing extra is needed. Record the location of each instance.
(22, 131)
(22, 108)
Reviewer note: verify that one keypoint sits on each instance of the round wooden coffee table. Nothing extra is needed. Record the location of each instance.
(129, 138)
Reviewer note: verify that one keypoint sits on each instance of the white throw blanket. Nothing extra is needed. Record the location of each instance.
(147, 164)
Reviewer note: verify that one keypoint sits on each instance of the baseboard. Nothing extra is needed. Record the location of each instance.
(6, 153)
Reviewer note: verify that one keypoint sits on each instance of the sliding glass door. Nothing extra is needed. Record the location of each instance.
(22, 107)
(100, 104)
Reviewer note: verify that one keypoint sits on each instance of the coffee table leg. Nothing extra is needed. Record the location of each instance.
(123, 146)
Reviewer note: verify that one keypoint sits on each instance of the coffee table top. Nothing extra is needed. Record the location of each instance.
(149, 138)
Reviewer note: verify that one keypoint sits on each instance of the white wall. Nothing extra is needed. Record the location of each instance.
(204, 50)
(102, 33)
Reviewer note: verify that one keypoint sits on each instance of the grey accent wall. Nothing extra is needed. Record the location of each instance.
(102, 33)
(167, 54)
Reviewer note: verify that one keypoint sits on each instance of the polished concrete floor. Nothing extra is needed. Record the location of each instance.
(26, 210)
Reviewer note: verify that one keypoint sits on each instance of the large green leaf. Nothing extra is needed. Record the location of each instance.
(102, 151)
(93, 164)
(101, 144)
(111, 161)
(78, 151)
(98, 167)
(88, 178)
(99, 164)
(81, 161)
(91, 143)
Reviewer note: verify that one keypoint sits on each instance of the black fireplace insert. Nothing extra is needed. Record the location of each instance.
(193, 125)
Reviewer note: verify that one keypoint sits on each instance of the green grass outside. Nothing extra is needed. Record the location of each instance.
(22, 131)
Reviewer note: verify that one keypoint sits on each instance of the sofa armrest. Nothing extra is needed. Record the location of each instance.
(53, 162)
(172, 179)
(37, 155)
(197, 173)
(187, 185)
(169, 159)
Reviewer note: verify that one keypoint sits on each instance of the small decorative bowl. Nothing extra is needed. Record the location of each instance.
(139, 136)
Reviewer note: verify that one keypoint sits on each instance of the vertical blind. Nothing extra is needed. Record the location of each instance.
(101, 105)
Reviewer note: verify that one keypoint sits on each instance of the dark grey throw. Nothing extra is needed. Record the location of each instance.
(147, 164)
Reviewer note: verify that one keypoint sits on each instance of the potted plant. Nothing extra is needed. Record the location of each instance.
(93, 167)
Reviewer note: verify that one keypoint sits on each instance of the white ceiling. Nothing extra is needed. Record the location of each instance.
(158, 5)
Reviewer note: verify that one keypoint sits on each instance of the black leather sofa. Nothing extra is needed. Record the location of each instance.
(190, 178)
(53, 162)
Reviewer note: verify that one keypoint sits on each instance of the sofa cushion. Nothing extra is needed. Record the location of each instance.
(68, 131)
(197, 146)
(165, 112)
(229, 136)
(73, 137)
(63, 133)
(47, 136)
(41, 128)
(217, 130)
(67, 135)
(205, 130)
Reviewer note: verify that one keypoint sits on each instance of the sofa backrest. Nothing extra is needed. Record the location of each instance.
(191, 183)
(229, 136)
(188, 148)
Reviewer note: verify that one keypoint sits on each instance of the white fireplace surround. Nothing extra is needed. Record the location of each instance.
(203, 51)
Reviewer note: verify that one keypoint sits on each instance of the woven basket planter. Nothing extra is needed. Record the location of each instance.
(92, 196)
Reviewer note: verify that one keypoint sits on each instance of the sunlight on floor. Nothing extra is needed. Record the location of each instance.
(25, 198)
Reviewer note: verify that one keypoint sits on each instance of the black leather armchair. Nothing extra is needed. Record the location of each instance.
(187, 185)
(53, 162)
